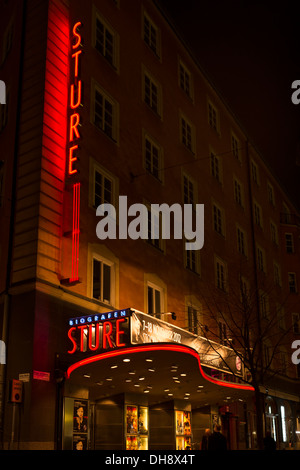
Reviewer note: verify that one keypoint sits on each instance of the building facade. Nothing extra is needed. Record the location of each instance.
(113, 329)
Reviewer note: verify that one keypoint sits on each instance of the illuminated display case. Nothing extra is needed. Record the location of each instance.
(183, 430)
(136, 426)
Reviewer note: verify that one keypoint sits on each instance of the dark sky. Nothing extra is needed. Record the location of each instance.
(251, 52)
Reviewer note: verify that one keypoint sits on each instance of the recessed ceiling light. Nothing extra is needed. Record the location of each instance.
(137, 385)
(146, 390)
(132, 372)
(149, 360)
(200, 386)
(186, 398)
(109, 379)
(166, 390)
(177, 381)
(151, 370)
(187, 393)
(175, 378)
(114, 366)
(87, 376)
(183, 375)
(174, 366)
(141, 378)
(128, 380)
(126, 360)
(170, 394)
(100, 383)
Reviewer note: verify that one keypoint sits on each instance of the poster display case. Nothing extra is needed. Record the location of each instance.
(183, 430)
(136, 427)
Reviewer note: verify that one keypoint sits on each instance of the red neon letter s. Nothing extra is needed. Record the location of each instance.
(76, 35)
(72, 340)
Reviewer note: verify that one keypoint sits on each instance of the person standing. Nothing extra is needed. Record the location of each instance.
(205, 438)
(217, 441)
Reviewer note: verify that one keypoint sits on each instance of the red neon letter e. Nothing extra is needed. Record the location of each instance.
(72, 160)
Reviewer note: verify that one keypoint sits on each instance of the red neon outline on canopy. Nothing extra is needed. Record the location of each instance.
(157, 347)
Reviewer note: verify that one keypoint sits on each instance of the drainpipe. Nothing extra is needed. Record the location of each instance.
(6, 312)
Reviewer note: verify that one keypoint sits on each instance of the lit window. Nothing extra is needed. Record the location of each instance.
(151, 35)
(105, 113)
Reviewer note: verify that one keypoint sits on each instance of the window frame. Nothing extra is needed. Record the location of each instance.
(114, 62)
(114, 136)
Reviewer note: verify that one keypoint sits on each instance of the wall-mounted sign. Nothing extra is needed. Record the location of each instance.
(73, 144)
(93, 333)
(16, 390)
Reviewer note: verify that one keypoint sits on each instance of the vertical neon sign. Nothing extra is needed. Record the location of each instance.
(74, 136)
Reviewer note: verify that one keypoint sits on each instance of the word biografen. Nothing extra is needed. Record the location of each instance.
(296, 94)
(152, 223)
(2, 92)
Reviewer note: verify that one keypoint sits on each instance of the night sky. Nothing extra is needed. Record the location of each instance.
(251, 52)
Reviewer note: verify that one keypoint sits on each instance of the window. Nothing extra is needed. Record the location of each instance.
(103, 188)
(213, 117)
(215, 167)
(254, 172)
(152, 94)
(271, 196)
(277, 275)
(280, 316)
(241, 241)
(155, 229)
(274, 233)
(4, 112)
(187, 134)
(222, 332)
(261, 260)
(221, 275)
(292, 282)
(235, 146)
(185, 80)
(258, 215)
(296, 323)
(189, 191)
(193, 320)
(105, 115)
(151, 34)
(264, 304)
(153, 157)
(102, 281)
(154, 299)
(238, 192)
(192, 260)
(106, 41)
(289, 243)
(218, 220)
